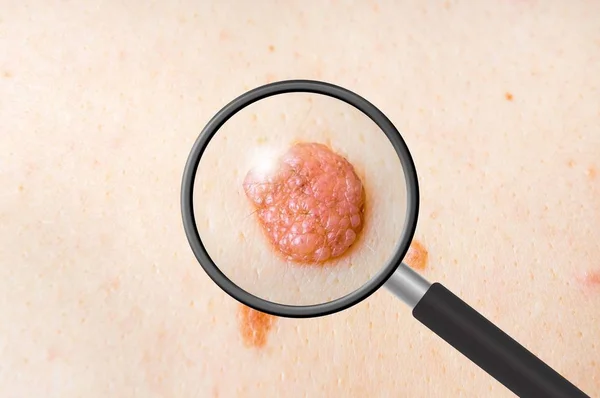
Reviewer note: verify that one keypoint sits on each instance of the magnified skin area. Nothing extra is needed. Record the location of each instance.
(100, 295)
(310, 203)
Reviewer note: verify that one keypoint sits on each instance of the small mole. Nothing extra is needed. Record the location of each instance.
(254, 326)
(508, 96)
(417, 256)
(271, 48)
(309, 203)
(21, 188)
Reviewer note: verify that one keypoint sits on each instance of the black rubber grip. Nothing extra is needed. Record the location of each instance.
(489, 347)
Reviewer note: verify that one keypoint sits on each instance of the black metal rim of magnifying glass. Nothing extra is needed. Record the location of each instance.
(187, 194)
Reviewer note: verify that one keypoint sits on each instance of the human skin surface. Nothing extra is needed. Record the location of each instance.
(100, 294)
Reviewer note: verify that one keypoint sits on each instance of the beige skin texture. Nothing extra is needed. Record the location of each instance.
(100, 103)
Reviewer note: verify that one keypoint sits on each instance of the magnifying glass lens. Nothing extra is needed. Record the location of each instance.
(300, 199)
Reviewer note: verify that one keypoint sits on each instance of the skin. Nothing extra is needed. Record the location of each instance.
(99, 292)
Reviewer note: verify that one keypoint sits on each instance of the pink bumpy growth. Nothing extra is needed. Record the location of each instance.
(311, 205)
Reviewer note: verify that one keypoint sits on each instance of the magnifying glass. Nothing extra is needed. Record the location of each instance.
(283, 198)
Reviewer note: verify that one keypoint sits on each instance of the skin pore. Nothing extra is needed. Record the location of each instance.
(100, 294)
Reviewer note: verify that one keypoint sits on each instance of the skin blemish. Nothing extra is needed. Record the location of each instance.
(270, 77)
(417, 256)
(592, 278)
(254, 326)
(224, 35)
(271, 48)
(508, 96)
(310, 203)
(591, 172)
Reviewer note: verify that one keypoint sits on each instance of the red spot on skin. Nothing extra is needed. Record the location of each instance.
(592, 278)
(254, 326)
(224, 35)
(508, 96)
(310, 203)
(591, 172)
(417, 255)
(52, 354)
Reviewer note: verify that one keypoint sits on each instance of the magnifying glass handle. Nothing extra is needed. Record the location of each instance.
(478, 339)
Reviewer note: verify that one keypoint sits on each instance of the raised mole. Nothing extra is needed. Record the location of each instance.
(310, 203)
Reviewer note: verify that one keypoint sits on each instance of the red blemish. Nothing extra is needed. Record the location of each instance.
(224, 35)
(254, 326)
(52, 354)
(417, 255)
(508, 96)
(592, 278)
(310, 203)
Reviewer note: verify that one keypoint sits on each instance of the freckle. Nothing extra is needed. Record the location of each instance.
(254, 326)
(417, 256)
(7, 74)
(433, 215)
(271, 48)
(21, 188)
(270, 78)
(571, 163)
(508, 96)
(591, 172)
